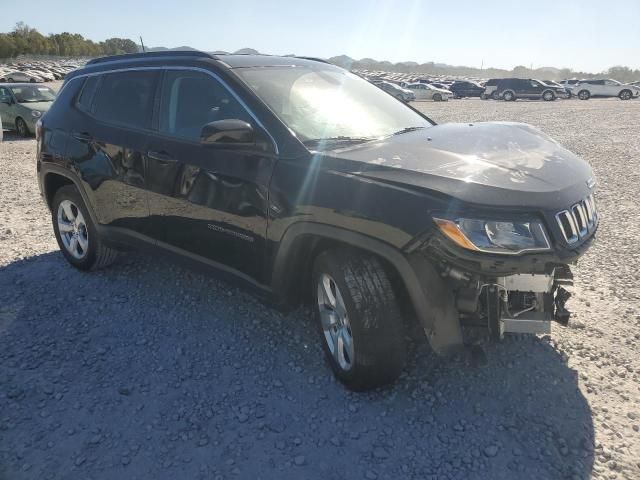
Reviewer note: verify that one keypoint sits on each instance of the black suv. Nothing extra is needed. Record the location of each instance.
(463, 88)
(510, 89)
(305, 182)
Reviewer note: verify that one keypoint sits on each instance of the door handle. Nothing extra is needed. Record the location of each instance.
(82, 136)
(163, 157)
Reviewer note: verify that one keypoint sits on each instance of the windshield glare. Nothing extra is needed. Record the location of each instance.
(29, 94)
(329, 103)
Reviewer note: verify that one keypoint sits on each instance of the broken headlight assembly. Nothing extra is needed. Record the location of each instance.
(495, 236)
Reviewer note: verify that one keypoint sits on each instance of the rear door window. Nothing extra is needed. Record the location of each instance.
(88, 91)
(126, 98)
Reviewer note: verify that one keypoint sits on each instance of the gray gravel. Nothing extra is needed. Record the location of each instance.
(149, 370)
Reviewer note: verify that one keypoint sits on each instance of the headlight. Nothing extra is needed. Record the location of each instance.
(495, 236)
(36, 114)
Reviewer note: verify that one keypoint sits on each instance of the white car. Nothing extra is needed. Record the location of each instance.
(604, 88)
(424, 91)
(18, 76)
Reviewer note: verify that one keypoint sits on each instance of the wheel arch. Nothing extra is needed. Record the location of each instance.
(436, 312)
(52, 183)
(55, 177)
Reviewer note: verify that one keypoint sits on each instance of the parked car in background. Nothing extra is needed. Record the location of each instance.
(22, 105)
(462, 89)
(490, 89)
(568, 85)
(608, 87)
(402, 94)
(510, 89)
(18, 76)
(424, 91)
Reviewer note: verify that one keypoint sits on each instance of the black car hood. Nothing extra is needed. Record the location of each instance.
(498, 163)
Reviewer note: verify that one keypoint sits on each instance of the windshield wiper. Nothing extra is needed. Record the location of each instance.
(339, 140)
(408, 129)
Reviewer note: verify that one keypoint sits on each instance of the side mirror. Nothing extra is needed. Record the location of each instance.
(231, 132)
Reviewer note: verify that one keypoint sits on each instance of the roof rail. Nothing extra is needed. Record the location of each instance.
(314, 59)
(163, 53)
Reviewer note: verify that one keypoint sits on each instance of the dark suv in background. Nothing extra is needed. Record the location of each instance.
(304, 182)
(510, 89)
(463, 88)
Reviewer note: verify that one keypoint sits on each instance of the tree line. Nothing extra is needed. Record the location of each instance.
(24, 40)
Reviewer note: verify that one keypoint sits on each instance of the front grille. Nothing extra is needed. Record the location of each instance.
(579, 220)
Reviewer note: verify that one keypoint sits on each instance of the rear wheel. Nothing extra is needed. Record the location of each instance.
(21, 127)
(584, 95)
(33, 80)
(358, 319)
(10, 80)
(625, 95)
(509, 96)
(548, 96)
(75, 232)
(437, 97)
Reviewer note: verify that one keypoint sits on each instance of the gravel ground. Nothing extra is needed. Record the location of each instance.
(149, 370)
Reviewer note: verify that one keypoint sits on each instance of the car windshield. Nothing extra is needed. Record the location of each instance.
(29, 94)
(327, 103)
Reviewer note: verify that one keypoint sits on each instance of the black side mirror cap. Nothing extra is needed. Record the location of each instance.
(229, 132)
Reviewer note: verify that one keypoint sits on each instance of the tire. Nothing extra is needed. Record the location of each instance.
(96, 254)
(371, 319)
(10, 80)
(484, 97)
(33, 80)
(548, 96)
(437, 97)
(509, 96)
(625, 95)
(495, 95)
(584, 95)
(21, 128)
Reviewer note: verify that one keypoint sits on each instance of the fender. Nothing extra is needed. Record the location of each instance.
(431, 298)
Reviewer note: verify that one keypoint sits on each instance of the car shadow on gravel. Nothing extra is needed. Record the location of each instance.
(150, 370)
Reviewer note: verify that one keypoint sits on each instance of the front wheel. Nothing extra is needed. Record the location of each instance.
(76, 234)
(358, 318)
(437, 97)
(625, 95)
(548, 96)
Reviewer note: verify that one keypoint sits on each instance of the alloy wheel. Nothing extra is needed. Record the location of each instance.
(335, 322)
(626, 95)
(73, 229)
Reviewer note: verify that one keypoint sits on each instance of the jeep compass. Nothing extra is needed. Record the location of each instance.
(305, 182)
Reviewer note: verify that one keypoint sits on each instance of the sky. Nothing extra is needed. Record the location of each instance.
(585, 35)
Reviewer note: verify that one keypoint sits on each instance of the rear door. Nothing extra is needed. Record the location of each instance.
(208, 201)
(109, 138)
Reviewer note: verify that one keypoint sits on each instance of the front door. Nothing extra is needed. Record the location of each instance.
(208, 201)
